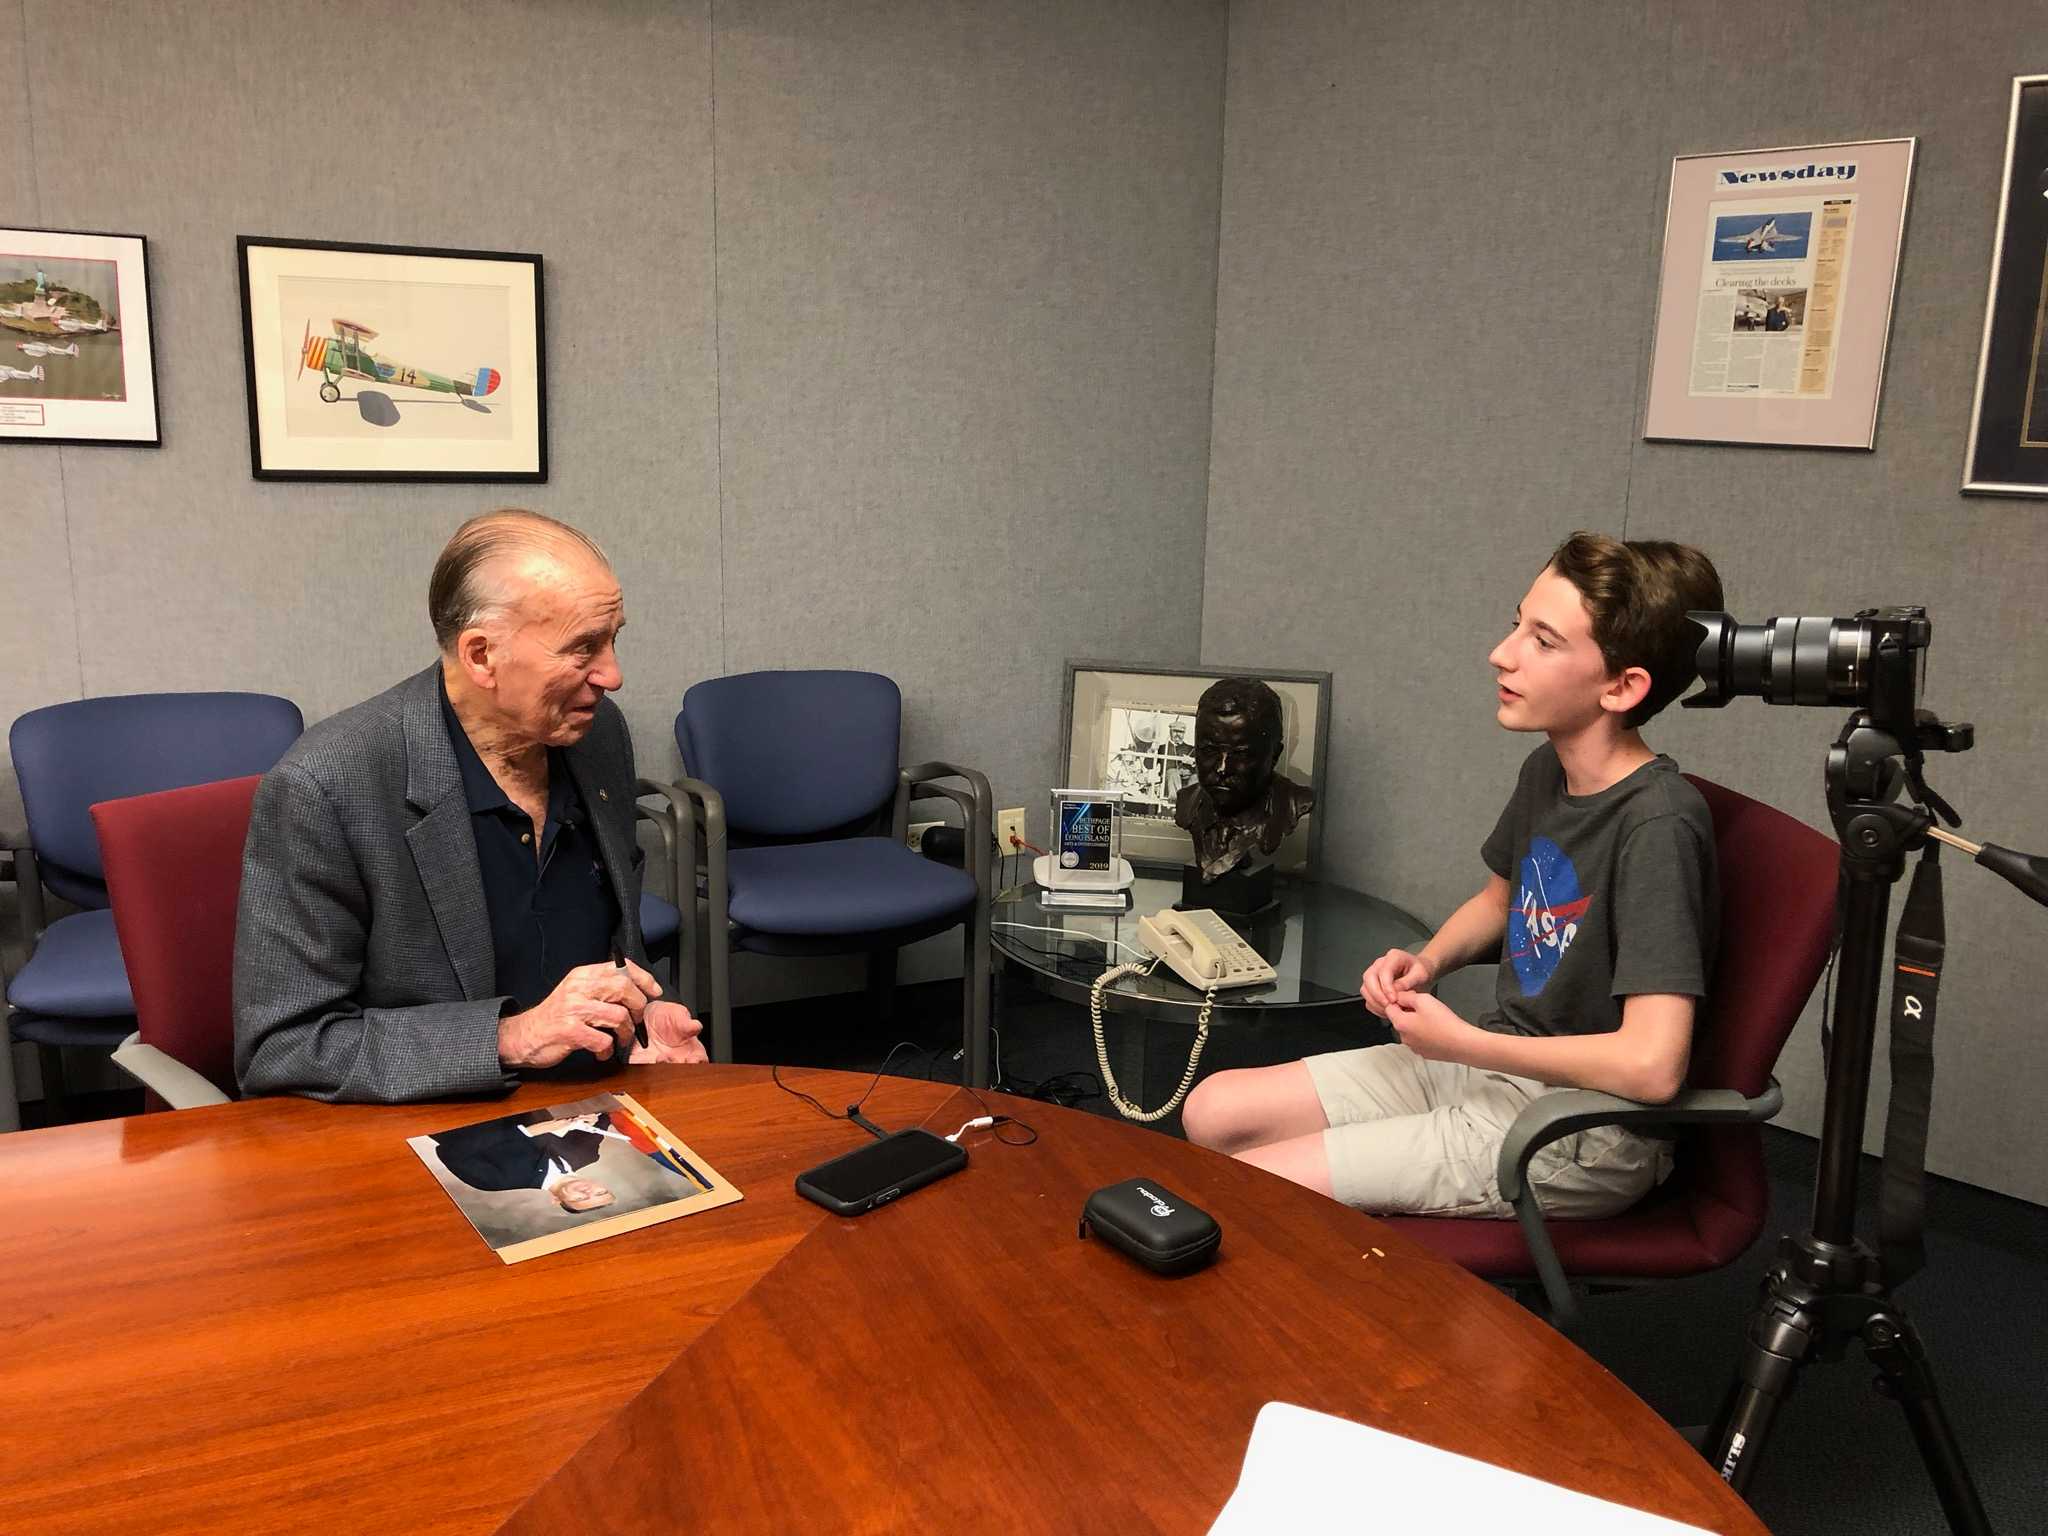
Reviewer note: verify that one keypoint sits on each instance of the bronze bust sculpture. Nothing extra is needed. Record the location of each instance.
(1239, 809)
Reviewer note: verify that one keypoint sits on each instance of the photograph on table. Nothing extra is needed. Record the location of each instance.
(76, 360)
(2008, 446)
(1774, 300)
(372, 362)
(1133, 729)
(543, 1180)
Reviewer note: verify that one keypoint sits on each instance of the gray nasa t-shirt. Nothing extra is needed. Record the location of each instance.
(1609, 895)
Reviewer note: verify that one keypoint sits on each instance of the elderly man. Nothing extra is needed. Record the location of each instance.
(441, 889)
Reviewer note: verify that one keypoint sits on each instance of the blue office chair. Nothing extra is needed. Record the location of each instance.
(799, 770)
(73, 991)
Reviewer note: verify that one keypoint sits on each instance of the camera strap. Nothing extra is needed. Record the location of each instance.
(1916, 978)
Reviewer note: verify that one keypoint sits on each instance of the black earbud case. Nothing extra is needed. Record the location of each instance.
(1148, 1221)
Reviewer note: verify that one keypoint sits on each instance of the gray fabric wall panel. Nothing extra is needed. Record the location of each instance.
(968, 272)
(1428, 370)
(38, 629)
(1833, 532)
(1406, 410)
(957, 311)
(582, 133)
(966, 298)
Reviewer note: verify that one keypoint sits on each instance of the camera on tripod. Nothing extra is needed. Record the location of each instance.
(1872, 663)
(1827, 1288)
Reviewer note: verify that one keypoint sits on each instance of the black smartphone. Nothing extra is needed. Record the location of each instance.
(877, 1173)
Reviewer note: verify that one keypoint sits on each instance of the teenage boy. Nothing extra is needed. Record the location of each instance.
(1602, 886)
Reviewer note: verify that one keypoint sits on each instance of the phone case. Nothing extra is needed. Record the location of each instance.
(953, 1162)
(1146, 1221)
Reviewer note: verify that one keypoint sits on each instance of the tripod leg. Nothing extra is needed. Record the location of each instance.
(1781, 1336)
(1903, 1373)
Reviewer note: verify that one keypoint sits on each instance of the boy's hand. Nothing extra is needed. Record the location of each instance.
(1395, 971)
(1428, 1027)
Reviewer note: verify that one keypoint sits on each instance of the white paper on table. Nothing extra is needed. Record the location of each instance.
(1309, 1471)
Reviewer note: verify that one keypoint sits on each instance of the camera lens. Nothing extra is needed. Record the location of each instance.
(1782, 661)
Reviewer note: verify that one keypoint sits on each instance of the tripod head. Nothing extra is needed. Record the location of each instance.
(1868, 662)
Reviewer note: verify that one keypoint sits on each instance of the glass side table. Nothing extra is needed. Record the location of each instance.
(1319, 936)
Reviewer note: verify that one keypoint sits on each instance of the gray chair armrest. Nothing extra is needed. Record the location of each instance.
(166, 1076)
(669, 818)
(711, 804)
(977, 808)
(976, 802)
(675, 821)
(1554, 1115)
(709, 818)
(698, 808)
(28, 889)
(10, 1092)
(1545, 1119)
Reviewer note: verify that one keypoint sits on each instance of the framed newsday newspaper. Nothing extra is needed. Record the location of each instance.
(1774, 304)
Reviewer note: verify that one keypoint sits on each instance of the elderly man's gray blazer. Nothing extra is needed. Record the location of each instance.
(364, 969)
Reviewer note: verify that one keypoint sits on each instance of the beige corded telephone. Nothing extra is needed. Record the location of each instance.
(1203, 950)
(1208, 955)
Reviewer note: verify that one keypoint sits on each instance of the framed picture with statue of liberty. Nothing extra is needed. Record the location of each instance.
(77, 364)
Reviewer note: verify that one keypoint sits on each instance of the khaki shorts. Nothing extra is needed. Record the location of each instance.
(1411, 1137)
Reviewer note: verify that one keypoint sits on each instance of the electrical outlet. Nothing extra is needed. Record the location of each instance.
(915, 835)
(1009, 824)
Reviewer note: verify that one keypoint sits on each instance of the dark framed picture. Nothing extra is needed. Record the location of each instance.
(2008, 450)
(385, 362)
(1132, 728)
(77, 359)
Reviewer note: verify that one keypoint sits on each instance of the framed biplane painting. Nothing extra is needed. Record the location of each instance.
(383, 362)
(76, 360)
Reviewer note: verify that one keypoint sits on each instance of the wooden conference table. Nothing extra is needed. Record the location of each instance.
(267, 1317)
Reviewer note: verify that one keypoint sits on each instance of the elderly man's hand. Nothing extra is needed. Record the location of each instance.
(671, 1036)
(593, 1008)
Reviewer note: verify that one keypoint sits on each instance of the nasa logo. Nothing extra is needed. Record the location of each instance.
(1546, 915)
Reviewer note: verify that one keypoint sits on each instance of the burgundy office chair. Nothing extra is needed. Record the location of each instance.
(174, 873)
(1778, 879)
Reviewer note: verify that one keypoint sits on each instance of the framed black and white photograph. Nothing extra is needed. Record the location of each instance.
(77, 364)
(2008, 448)
(384, 362)
(1132, 729)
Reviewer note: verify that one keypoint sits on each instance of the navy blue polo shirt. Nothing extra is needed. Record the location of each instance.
(548, 914)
